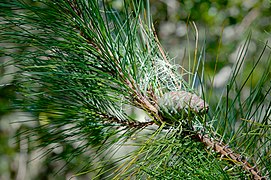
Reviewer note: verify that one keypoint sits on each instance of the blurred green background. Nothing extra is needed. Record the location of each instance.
(222, 28)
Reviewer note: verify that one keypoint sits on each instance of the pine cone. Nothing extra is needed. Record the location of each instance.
(178, 105)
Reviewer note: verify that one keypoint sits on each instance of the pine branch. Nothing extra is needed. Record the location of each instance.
(84, 62)
(225, 151)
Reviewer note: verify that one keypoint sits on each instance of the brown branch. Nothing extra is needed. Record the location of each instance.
(226, 151)
(141, 100)
(130, 124)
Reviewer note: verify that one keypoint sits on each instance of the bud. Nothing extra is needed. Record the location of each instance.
(181, 104)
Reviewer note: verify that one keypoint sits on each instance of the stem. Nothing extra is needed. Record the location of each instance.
(226, 151)
(131, 124)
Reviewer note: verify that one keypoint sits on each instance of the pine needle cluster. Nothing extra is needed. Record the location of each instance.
(83, 64)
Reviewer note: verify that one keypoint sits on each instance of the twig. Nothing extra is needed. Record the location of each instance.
(130, 124)
(226, 151)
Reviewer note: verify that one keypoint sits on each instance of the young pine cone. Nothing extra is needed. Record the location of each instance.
(178, 105)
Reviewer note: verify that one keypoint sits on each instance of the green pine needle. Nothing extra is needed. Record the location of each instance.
(82, 64)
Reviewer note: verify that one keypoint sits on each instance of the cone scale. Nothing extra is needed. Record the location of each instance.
(178, 105)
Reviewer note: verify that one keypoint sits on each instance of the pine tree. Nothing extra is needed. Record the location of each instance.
(82, 65)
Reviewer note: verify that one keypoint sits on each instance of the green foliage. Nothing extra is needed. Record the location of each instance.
(81, 64)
